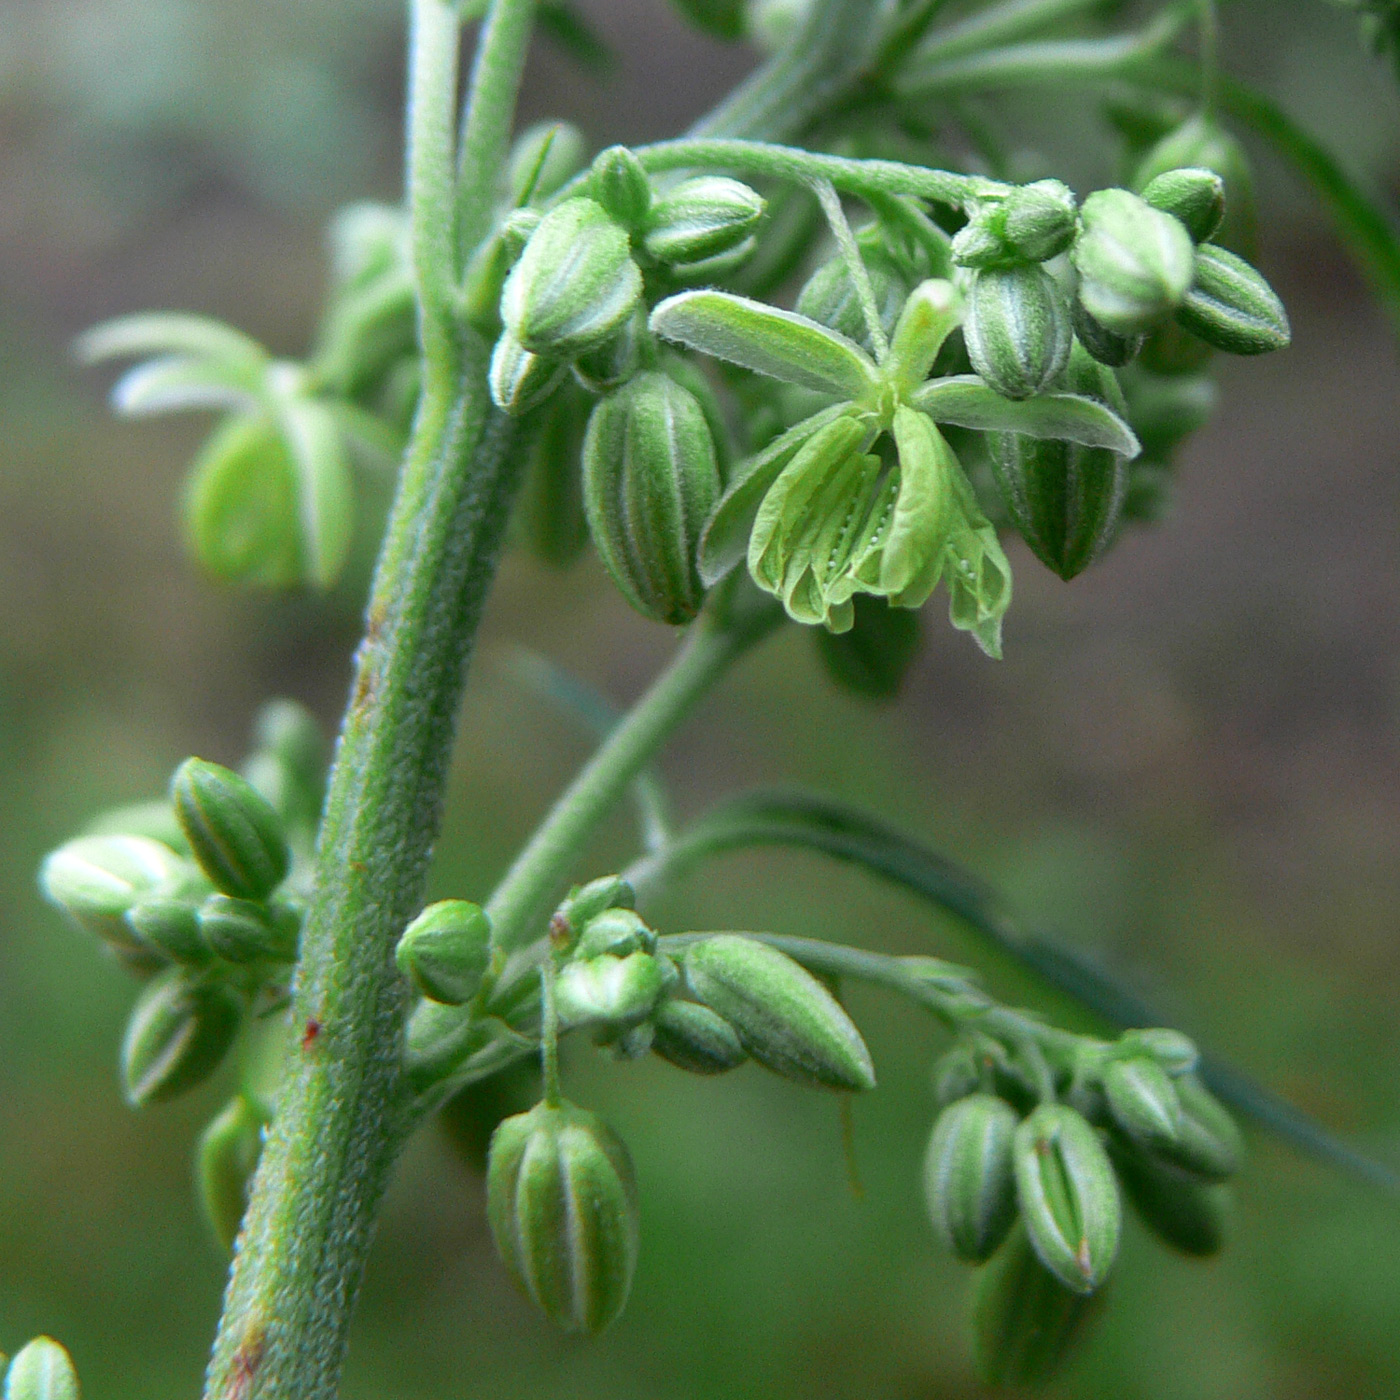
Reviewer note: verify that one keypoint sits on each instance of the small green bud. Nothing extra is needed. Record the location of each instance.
(872, 658)
(232, 829)
(1017, 329)
(41, 1370)
(1231, 307)
(1106, 346)
(1134, 262)
(518, 379)
(611, 990)
(785, 1018)
(543, 158)
(1193, 195)
(171, 928)
(1030, 225)
(1176, 1053)
(701, 218)
(575, 283)
(650, 480)
(445, 951)
(615, 361)
(225, 1161)
(956, 1074)
(179, 1031)
(969, 1183)
(587, 901)
(694, 1038)
(1208, 1144)
(1186, 1213)
(1068, 1196)
(621, 186)
(97, 879)
(615, 931)
(561, 1197)
(1024, 1319)
(1202, 144)
(829, 296)
(246, 930)
(1143, 1101)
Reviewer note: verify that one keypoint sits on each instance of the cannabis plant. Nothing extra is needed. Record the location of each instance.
(808, 364)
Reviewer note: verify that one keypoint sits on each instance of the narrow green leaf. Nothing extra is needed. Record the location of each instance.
(965, 401)
(165, 333)
(177, 382)
(324, 489)
(767, 340)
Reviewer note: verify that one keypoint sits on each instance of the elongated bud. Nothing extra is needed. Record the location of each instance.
(1193, 195)
(171, 928)
(518, 379)
(614, 991)
(702, 217)
(1176, 1053)
(692, 1037)
(41, 1370)
(1106, 346)
(542, 160)
(97, 879)
(1143, 1101)
(615, 931)
(1208, 1143)
(246, 930)
(561, 1198)
(1181, 1210)
(1135, 262)
(873, 658)
(650, 480)
(445, 951)
(1231, 307)
(621, 186)
(969, 1182)
(1068, 1196)
(785, 1018)
(232, 829)
(1017, 329)
(225, 1161)
(1025, 1321)
(179, 1031)
(585, 902)
(575, 283)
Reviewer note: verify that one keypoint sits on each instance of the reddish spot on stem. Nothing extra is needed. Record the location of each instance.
(246, 1361)
(308, 1036)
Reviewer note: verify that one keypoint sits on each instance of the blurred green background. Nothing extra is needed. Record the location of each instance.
(1187, 765)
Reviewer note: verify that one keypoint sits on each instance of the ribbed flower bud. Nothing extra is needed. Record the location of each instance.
(97, 879)
(585, 902)
(702, 217)
(613, 991)
(650, 479)
(621, 186)
(1208, 1143)
(1143, 1101)
(1183, 1211)
(561, 1198)
(615, 931)
(692, 1037)
(41, 1370)
(171, 928)
(1193, 195)
(1232, 307)
(246, 930)
(575, 283)
(445, 951)
(969, 1182)
(785, 1018)
(235, 835)
(1106, 346)
(518, 379)
(830, 297)
(1017, 329)
(178, 1033)
(1068, 1196)
(1134, 262)
(1031, 224)
(225, 1160)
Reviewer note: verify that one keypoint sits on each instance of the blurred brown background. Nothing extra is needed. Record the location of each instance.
(1187, 764)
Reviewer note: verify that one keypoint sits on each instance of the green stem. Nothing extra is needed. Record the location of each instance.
(855, 265)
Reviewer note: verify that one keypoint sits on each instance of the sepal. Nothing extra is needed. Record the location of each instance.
(445, 951)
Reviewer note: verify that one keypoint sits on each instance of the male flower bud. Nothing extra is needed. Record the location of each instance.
(1188, 1214)
(1134, 262)
(178, 1033)
(234, 833)
(41, 1370)
(785, 1018)
(575, 283)
(692, 1037)
(1031, 224)
(518, 379)
(610, 990)
(830, 297)
(621, 186)
(587, 901)
(225, 1160)
(561, 1197)
(615, 931)
(1143, 1101)
(1208, 1143)
(1106, 346)
(1176, 1053)
(97, 879)
(969, 1182)
(1068, 1196)
(615, 361)
(1017, 329)
(171, 928)
(445, 950)
(1232, 307)
(246, 930)
(700, 218)
(650, 480)
(1193, 195)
